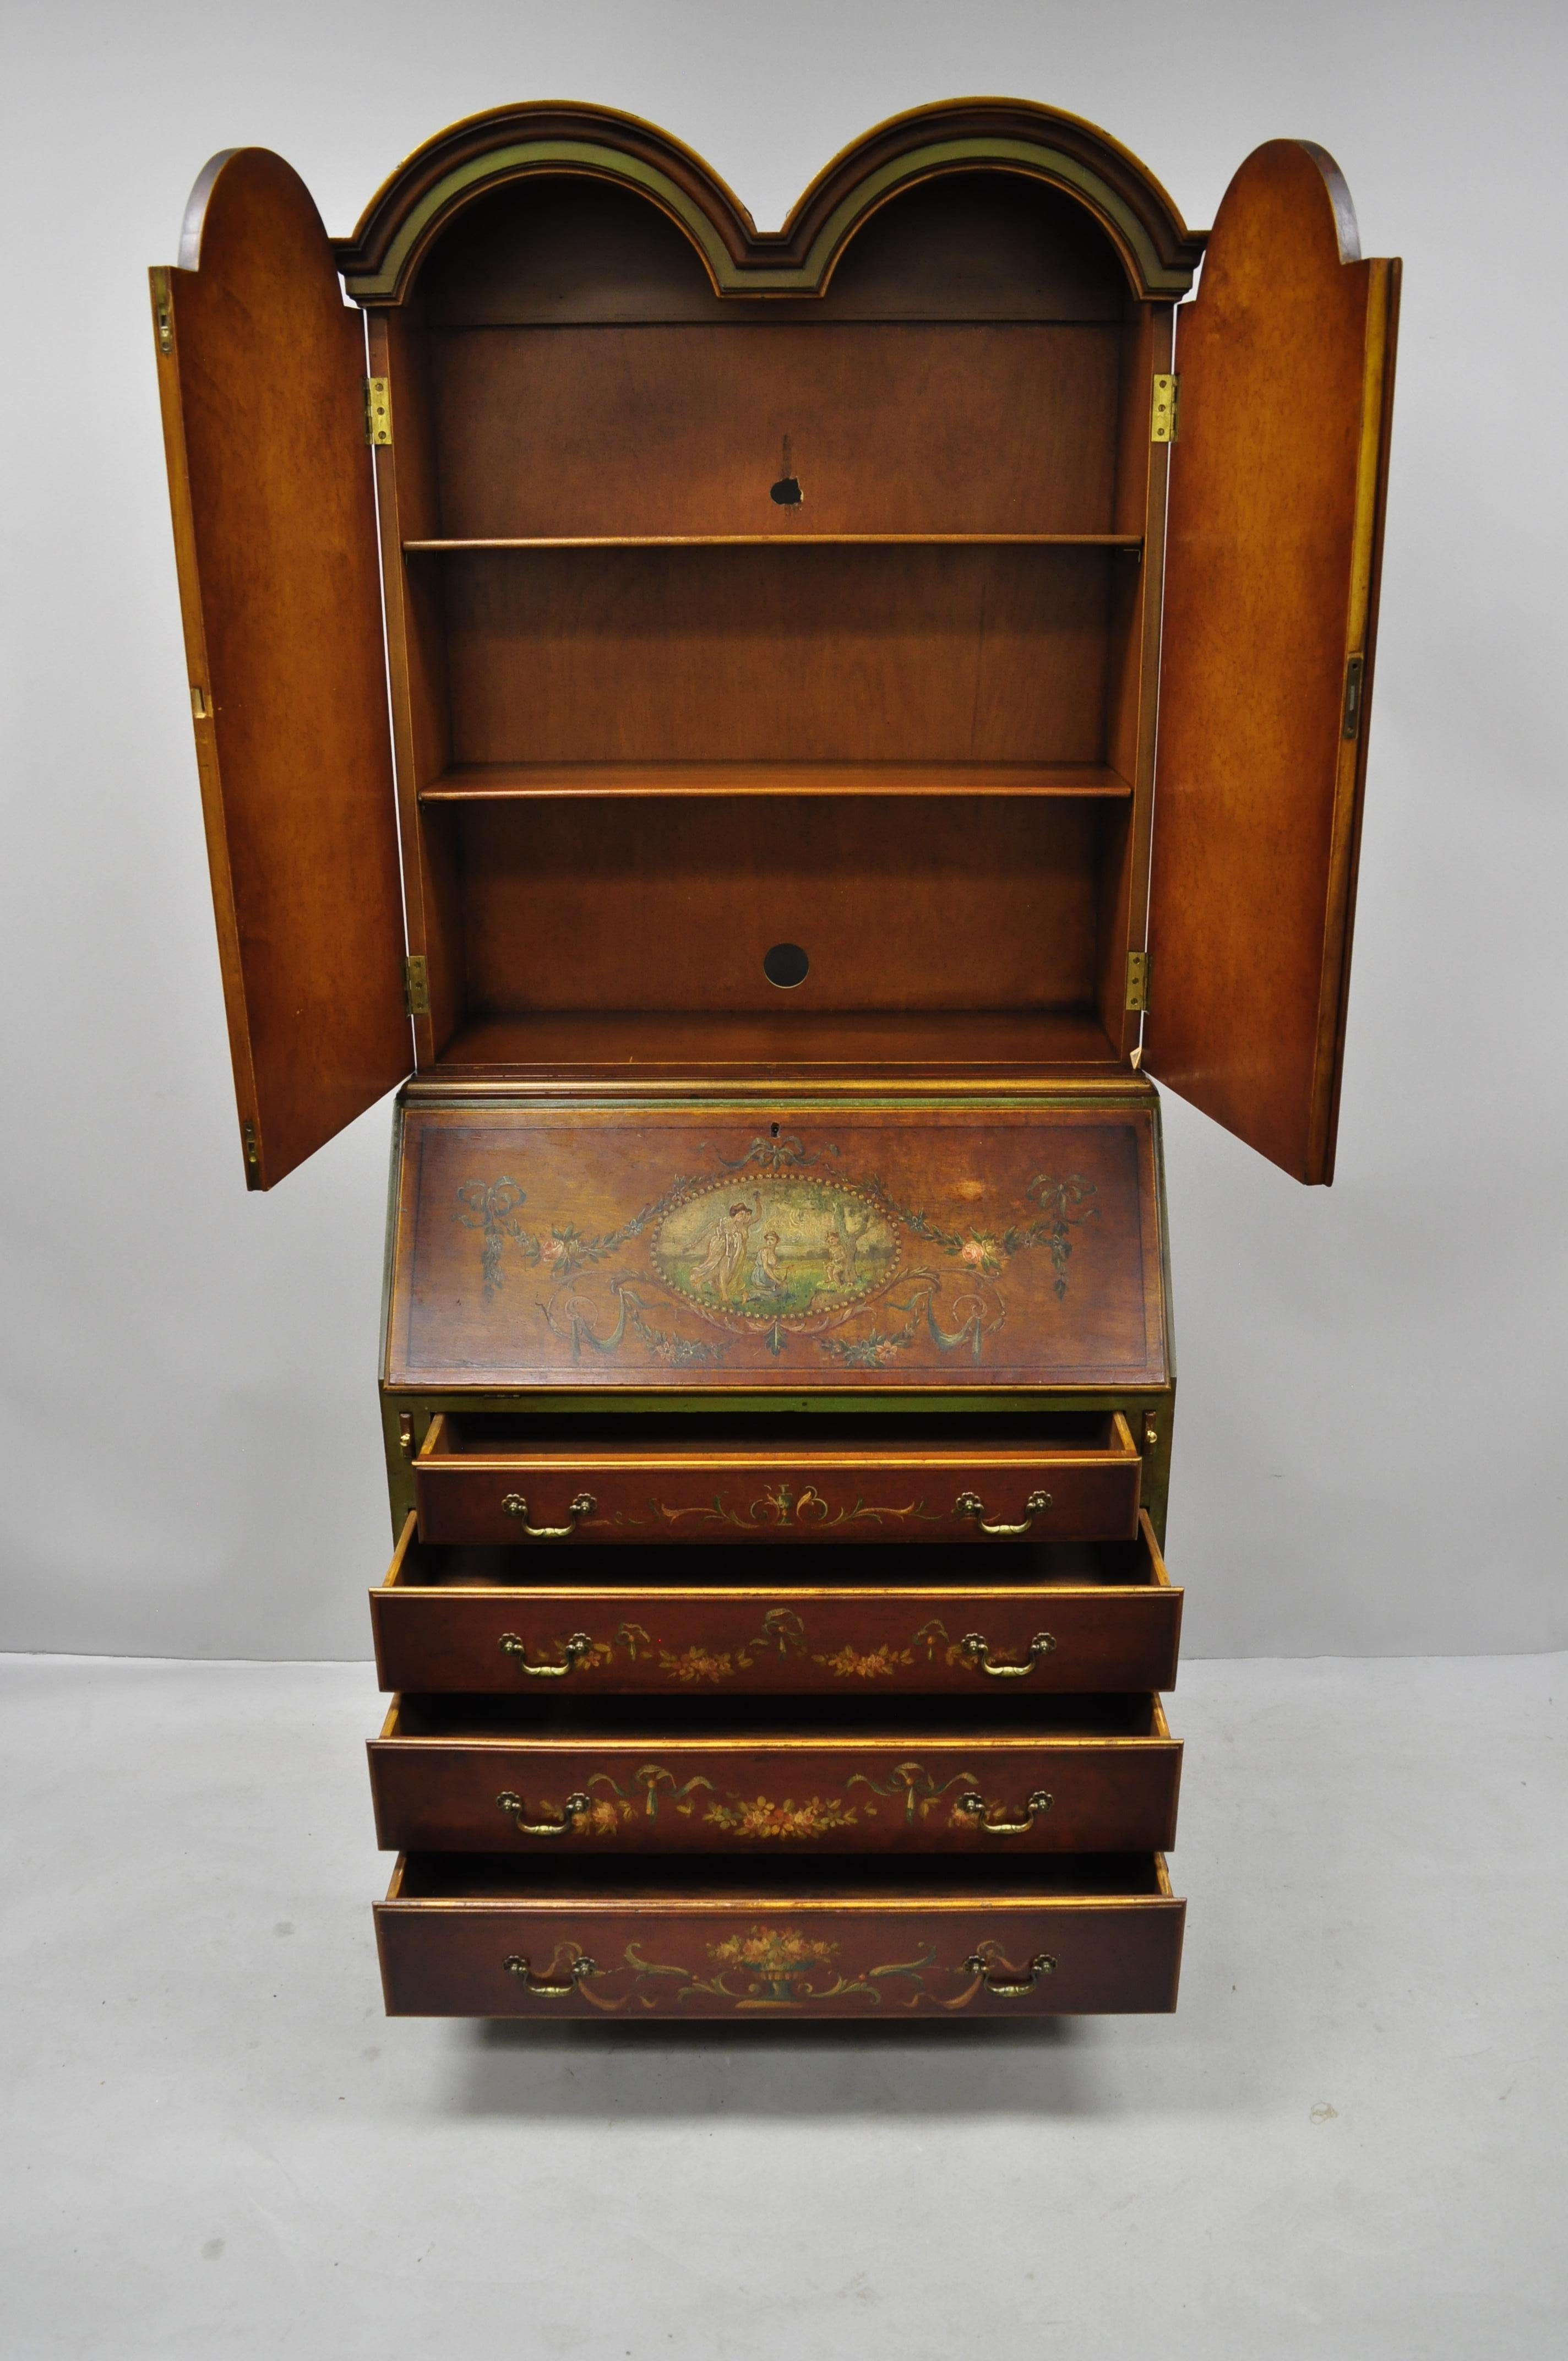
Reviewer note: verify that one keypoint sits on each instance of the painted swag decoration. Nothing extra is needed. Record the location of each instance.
(781, 1253)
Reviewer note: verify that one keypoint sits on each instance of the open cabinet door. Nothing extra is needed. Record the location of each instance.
(1286, 362)
(261, 369)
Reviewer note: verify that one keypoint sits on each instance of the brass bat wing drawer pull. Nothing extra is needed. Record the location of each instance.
(582, 1506)
(970, 1504)
(573, 1650)
(977, 1648)
(979, 1811)
(518, 1966)
(514, 1807)
(1042, 1965)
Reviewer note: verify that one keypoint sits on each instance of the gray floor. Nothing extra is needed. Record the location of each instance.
(1349, 2141)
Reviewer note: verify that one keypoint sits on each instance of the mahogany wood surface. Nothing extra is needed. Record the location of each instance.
(855, 1480)
(1133, 706)
(1277, 497)
(934, 903)
(845, 1246)
(726, 1623)
(438, 545)
(875, 1941)
(955, 1048)
(417, 678)
(938, 653)
(681, 430)
(975, 365)
(262, 388)
(467, 1774)
(526, 782)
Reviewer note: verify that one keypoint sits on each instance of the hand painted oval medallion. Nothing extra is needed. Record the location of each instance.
(782, 1252)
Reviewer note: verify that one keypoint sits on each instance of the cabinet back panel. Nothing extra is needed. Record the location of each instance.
(868, 1042)
(559, 249)
(806, 654)
(595, 903)
(680, 430)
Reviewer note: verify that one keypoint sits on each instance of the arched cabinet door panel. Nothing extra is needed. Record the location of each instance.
(261, 369)
(1286, 362)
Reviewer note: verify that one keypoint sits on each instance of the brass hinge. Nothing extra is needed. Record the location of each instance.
(163, 311)
(1354, 677)
(252, 1158)
(1137, 980)
(1165, 409)
(377, 412)
(416, 986)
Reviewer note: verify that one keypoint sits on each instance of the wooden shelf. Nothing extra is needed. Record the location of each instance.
(516, 782)
(781, 538)
(933, 1040)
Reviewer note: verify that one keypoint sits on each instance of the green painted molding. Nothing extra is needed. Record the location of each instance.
(510, 163)
(1147, 274)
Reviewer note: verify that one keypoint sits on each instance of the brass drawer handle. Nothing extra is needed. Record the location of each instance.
(977, 1648)
(518, 1966)
(582, 1506)
(979, 1809)
(970, 1504)
(1042, 1965)
(573, 1650)
(514, 1807)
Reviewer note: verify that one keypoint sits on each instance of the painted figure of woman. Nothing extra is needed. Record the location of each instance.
(725, 1254)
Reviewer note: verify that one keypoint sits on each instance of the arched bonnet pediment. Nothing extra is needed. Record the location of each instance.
(409, 212)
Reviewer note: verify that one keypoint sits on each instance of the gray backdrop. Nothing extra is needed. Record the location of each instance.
(1369, 1454)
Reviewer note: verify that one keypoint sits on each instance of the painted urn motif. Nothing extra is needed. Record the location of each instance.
(781, 1965)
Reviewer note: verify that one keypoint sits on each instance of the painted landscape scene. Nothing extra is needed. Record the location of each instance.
(776, 1250)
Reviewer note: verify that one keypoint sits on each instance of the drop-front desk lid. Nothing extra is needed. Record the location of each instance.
(799, 1245)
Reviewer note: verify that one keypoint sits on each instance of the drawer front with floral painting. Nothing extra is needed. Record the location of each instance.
(874, 1941)
(1031, 1619)
(1069, 1475)
(1096, 1774)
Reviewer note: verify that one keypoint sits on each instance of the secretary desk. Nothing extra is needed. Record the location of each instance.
(767, 741)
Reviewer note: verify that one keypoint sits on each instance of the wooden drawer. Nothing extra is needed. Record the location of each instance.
(605, 1775)
(1059, 1616)
(878, 1940)
(555, 1480)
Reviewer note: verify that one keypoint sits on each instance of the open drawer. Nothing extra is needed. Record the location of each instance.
(601, 1776)
(950, 1619)
(555, 1478)
(881, 1940)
